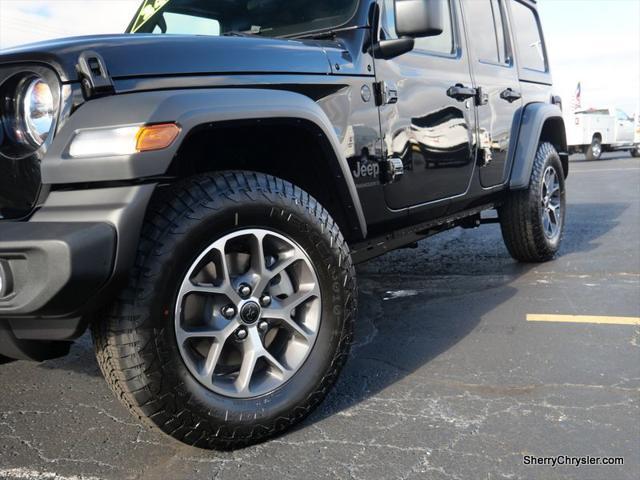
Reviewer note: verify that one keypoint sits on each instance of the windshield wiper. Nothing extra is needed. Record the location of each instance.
(332, 33)
(236, 33)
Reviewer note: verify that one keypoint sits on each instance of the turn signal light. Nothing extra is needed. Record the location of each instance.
(156, 137)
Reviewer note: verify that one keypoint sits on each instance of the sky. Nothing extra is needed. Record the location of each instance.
(595, 42)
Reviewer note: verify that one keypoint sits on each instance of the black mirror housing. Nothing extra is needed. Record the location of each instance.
(388, 49)
(418, 18)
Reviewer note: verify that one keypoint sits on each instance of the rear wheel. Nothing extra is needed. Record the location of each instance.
(533, 220)
(594, 151)
(635, 153)
(238, 316)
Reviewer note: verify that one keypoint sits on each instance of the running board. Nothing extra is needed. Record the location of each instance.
(363, 251)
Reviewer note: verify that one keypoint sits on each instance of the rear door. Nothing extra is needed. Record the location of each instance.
(431, 132)
(496, 76)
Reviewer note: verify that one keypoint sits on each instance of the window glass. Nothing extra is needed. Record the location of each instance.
(528, 37)
(442, 43)
(177, 23)
(500, 37)
(622, 116)
(484, 39)
(269, 18)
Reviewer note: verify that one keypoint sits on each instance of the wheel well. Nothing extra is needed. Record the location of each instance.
(292, 149)
(598, 136)
(553, 131)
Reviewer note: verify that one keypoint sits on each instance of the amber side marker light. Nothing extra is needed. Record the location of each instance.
(156, 137)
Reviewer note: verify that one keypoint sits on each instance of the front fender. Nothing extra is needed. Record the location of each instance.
(532, 121)
(189, 109)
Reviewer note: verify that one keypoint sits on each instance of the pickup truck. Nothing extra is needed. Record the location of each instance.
(595, 131)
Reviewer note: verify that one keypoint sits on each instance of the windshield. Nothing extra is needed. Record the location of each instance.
(272, 18)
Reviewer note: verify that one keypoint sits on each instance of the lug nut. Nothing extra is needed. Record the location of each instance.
(265, 300)
(241, 333)
(263, 326)
(244, 290)
(228, 312)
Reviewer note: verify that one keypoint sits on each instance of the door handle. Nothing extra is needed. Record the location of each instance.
(461, 93)
(510, 95)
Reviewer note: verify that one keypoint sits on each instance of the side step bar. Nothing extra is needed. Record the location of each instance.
(408, 237)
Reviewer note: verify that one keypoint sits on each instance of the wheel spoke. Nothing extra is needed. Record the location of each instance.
(252, 351)
(546, 220)
(284, 371)
(283, 308)
(281, 265)
(212, 358)
(258, 262)
(554, 210)
(294, 327)
(204, 289)
(206, 332)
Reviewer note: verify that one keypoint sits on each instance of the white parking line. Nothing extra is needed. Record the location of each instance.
(602, 320)
(28, 474)
(592, 170)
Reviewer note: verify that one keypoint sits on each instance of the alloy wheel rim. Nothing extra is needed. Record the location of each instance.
(551, 203)
(248, 313)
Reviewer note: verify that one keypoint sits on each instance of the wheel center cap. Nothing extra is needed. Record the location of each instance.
(250, 313)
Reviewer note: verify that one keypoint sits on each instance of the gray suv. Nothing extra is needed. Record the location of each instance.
(197, 191)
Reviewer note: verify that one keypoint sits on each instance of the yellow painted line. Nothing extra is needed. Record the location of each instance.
(584, 319)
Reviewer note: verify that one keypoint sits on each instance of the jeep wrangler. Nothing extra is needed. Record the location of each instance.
(197, 191)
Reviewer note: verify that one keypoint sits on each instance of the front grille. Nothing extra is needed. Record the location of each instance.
(19, 186)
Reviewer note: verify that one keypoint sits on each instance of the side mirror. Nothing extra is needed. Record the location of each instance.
(419, 18)
(388, 49)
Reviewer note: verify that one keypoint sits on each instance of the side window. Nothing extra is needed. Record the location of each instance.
(526, 28)
(441, 44)
(485, 20)
(622, 116)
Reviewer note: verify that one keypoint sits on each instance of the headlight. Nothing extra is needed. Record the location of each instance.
(29, 107)
(38, 110)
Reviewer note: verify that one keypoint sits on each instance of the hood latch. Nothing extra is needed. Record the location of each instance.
(94, 75)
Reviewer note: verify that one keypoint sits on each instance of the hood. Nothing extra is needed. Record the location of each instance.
(159, 55)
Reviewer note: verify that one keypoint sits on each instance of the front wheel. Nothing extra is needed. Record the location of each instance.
(238, 316)
(635, 153)
(533, 220)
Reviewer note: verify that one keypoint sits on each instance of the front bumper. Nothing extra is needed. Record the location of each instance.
(64, 263)
(52, 268)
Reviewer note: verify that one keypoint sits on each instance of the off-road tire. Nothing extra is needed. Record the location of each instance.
(135, 340)
(594, 151)
(521, 215)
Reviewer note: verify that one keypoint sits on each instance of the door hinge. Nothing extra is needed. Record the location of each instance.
(481, 97)
(94, 76)
(386, 93)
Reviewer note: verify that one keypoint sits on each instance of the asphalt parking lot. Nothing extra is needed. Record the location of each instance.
(448, 379)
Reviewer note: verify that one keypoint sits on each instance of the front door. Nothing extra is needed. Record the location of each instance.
(496, 76)
(624, 127)
(430, 131)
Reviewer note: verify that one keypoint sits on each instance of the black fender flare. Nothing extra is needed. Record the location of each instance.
(189, 109)
(530, 123)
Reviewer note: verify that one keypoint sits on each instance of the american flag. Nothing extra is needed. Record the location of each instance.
(577, 101)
